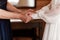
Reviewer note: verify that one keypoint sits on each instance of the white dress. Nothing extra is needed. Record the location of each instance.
(52, 19)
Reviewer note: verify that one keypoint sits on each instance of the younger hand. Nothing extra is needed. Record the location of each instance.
(30, 12)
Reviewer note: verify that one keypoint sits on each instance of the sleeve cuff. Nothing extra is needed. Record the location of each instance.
(34, 16)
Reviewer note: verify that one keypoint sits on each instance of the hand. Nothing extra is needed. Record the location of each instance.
(26, 15)
(30, 12)
(23, 17)
(29, 18)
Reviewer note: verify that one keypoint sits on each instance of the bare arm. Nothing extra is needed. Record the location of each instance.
(12, 8)
(9, 15)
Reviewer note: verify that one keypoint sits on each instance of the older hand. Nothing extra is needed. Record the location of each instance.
(29, 18)
(23, 17)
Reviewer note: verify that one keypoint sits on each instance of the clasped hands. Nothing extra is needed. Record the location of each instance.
(25, 16)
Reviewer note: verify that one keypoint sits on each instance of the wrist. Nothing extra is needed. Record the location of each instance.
(20, 16)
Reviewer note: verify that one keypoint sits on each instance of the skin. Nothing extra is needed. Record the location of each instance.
(28, 13)
(12, 8)
(13, 13)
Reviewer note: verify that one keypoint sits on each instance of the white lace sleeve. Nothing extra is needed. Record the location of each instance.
(48, 15)
(40, 12)
(45, 14)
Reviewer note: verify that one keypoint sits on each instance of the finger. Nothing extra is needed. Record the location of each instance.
(30, 10)
(23, 18)
(28, 13)
(28, 19)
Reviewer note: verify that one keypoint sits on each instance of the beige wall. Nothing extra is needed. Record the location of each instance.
(23, 2)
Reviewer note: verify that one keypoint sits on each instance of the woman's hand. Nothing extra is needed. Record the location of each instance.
(30, 12)
(26, 16)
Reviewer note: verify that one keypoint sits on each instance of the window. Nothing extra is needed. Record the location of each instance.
(22, 3)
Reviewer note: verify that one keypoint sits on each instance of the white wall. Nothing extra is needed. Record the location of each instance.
(14, 2)
(29, 3)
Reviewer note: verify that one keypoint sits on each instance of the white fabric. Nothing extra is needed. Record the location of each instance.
(52, 19)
